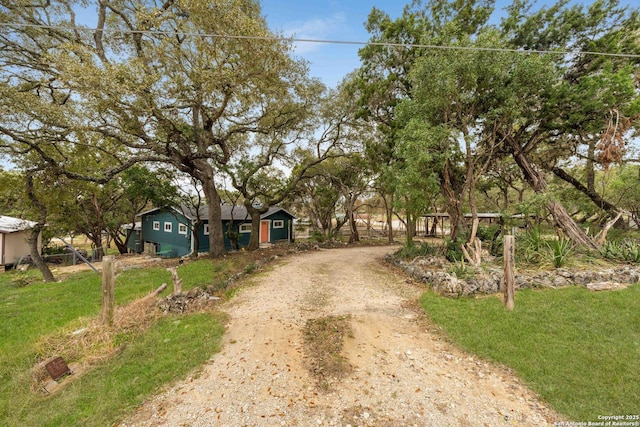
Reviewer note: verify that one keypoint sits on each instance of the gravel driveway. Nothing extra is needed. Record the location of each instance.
(403, 374)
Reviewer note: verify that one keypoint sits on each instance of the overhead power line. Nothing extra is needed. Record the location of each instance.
(326, 41)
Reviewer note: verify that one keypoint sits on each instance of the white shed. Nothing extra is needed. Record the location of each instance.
(13, 239)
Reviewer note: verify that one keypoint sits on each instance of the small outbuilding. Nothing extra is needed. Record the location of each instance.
(169, 232)
(14, 233)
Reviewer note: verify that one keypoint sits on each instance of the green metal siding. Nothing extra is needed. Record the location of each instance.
(243, 238)
(135, 242)
(284, 233)
(179, 243)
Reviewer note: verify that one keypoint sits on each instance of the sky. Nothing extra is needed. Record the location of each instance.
(331, 20)
(326, 20)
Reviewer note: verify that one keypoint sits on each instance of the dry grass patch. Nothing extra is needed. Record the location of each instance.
(86, 342)
(323, 343)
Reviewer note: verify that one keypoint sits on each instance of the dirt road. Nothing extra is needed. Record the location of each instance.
(403, 375)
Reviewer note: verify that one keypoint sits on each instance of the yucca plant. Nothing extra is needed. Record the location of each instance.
(560, 250)
(530, 245)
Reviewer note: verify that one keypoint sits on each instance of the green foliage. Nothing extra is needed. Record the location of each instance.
(530, 245)
(490, 236)
(546, 330)
(626, 250)
(250, 268)
(414, 250)
(534, 248)
(452, 249)
(561, 250)
(317, 236)
(461, 270)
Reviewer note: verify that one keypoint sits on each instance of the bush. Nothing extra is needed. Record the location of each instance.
(490, 236)
(453, 250)
(415, 250)
(317, 236)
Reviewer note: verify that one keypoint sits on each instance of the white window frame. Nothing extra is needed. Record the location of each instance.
(182, 228)
(168, 227)
(245, 228)
(156, 225)
(278, 223)
(205, 229)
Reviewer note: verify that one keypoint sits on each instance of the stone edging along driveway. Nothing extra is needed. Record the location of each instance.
(402, 374)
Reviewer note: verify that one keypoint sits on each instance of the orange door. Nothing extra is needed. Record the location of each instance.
(264, 231)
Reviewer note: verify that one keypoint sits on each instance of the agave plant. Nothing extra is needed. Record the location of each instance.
(632, 251)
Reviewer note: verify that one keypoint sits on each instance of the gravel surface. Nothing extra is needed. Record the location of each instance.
(403, 374)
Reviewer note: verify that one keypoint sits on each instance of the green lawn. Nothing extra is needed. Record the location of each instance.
(169, 350)
(579, 350)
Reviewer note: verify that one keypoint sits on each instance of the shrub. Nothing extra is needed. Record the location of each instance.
(452, 249)
(415, 250)
(490, 236)
(317, 236)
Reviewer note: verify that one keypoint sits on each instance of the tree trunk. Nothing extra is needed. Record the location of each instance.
(354, 236)
(561, 218)
(564, 221)
(588, 191)
(473, 244)
(591, 173)
(122, 246)
(411, 229)
(96, 239)
(452, 201)
(254, 239)
(388, 208)
(47, 275)
(216, 235)
(196, 238)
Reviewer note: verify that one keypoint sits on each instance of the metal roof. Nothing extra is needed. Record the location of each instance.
(11, 225)
(239, 212)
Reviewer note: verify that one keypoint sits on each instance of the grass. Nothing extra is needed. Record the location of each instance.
(172, 346)
(102, 396)
(579, 350)
(199, 273)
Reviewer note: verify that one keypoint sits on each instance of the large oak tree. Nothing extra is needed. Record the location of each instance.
(180, 82)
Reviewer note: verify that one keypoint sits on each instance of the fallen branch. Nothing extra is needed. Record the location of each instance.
(602, 235)
(159, 290)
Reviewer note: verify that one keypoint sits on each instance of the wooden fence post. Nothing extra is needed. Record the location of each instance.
(108, 286)
(508, 272)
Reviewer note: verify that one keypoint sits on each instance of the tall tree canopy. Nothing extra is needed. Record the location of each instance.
(176, 82)
(467, 93)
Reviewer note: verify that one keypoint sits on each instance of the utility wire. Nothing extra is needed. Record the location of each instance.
(325, 41)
